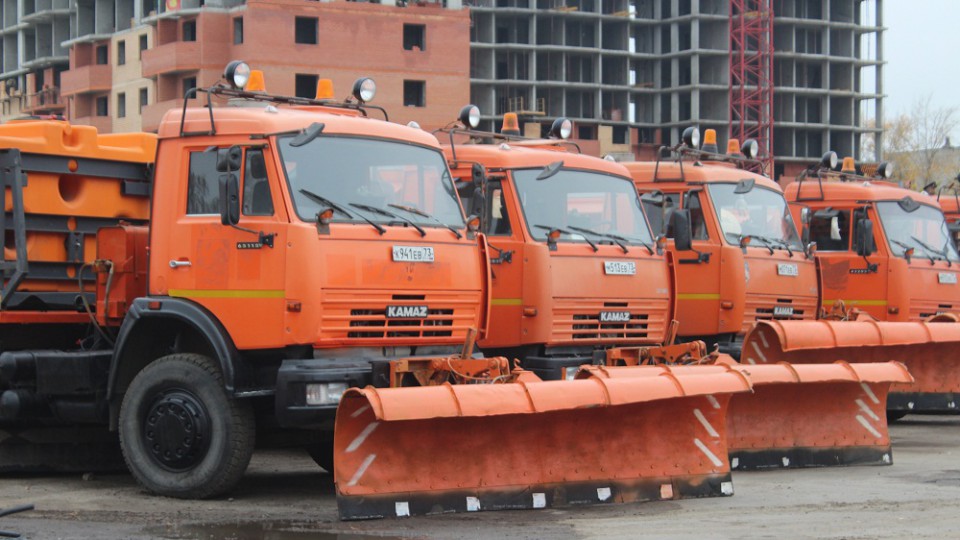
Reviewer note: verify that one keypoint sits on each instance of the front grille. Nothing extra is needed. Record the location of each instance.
(375, 324)
(764, 308)
(589, 326)
(923, 310)
(580, 321)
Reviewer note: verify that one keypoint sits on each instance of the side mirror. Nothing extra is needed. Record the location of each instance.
(478, 174)
(864, 237)
(680, 229)
(228, 159)
(229, 199)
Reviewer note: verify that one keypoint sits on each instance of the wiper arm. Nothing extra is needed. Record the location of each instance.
(928, 249)
(418, 212)
(613, 238)
(330, 204)
(766, 241)
(388, 214)
(564, 231)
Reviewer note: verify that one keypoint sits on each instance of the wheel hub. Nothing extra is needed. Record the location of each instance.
(176, 430)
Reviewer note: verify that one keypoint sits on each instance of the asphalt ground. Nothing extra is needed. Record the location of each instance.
(285, 496)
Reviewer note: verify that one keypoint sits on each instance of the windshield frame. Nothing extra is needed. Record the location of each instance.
(919, 251)
(539, 235)
(446, 181)
(794, 243)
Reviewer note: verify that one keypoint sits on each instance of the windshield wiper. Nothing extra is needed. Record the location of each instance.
(330, 204)
(388, 214)
(929, 249)
(418, 212)
(564, 231)
(766, 241)
(616, 239)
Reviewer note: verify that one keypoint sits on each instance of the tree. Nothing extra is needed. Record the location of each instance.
(917, 143)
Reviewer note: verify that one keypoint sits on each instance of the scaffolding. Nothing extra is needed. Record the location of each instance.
(751, 74)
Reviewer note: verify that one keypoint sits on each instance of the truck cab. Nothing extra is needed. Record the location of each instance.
(880, 248)
(747, 262)
(575, 268)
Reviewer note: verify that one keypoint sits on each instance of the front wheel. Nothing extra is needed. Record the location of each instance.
(182, 435)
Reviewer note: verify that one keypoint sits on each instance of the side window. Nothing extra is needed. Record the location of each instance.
(256, 189)
(203, 184)
(498, 220)
(698, 225)
(831, 230)
(658, 208)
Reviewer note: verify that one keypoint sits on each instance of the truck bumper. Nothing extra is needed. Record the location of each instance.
(292, 409)
(552, 368)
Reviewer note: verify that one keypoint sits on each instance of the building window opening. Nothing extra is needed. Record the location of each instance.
(414, 93)
(306, 30)
(414, 37)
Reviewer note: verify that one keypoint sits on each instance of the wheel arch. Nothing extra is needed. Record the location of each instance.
(155, 327)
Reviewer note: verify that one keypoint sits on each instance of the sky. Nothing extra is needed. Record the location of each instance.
(921, 46)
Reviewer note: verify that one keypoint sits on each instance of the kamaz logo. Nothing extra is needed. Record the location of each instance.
(406, 312)
(614, 316)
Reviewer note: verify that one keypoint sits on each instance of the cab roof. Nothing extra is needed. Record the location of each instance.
(520, 156)
(949, 203)
(263, 118)
(871, 191)
(708, 172)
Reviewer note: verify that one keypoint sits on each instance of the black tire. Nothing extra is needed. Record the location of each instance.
(182, 436)
(893, 416)
(322, 453)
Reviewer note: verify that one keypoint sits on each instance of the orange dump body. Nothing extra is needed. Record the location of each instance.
(800, 415)
(76, 183)
(546, 436)
(555, 307)
(723, 292)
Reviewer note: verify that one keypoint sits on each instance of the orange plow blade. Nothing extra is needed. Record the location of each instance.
(457, 448)
(928, 349)
(801, 415)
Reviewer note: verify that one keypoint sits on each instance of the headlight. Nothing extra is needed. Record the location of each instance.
(470, 116)
(562, 128)
(691, 137)
(237, 74)
(325, 393)
(364, 89)
(570, 373)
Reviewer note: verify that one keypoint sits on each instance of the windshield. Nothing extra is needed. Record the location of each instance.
(924, 230)
(760, 213)
(356, 174)
(586, 205)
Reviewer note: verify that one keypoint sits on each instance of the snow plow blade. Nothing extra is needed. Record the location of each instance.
(801, 415)
(461, 448)
(928, 349)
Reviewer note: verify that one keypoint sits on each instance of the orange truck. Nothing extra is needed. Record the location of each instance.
(950, 205)
(252, 270)
(887, 253)
(747, 263)
(578, 278)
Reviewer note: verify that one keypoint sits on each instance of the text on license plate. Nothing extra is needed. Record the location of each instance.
(619, 268)
(787, 270)
(946, 277)
(412, 254)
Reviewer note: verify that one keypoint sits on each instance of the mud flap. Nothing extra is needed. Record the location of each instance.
(928, 349)
(803, 415)
(463, 448)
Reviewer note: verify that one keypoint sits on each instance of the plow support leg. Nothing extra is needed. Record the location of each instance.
(412, 451)
(928, 349)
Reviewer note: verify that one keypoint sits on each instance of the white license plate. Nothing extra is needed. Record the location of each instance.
(947, 277)
(619, 268)
(787, 270)
(412, 254)
(782, 311)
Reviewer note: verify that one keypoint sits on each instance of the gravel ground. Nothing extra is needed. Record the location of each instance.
(284, 496)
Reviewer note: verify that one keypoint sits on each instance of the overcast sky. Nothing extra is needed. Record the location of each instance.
(921, 47)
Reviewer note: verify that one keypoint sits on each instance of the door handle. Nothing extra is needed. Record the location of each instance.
(177, 264)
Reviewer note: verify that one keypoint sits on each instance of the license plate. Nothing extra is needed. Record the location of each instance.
(782, 311)
(947, 277)
(787, 270)
(614, 316)
(412, 254)
(407, 312)
(619, 268)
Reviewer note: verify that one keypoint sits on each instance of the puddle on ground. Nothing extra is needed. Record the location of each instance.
(259, 530)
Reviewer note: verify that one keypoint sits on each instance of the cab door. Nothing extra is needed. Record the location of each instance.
(235, 272)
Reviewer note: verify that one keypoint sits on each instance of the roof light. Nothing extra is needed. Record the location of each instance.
(848, 165)
(562, 128)
(256, 82)
(609, 157)
(324, 89)
(710, 141)
(364, 89)
(829, 160)
(237, 73)
(751, 148)
(413, 124)
(885, 170)
(691, 137)
(733, 147)
(511, 124)
(470, 116)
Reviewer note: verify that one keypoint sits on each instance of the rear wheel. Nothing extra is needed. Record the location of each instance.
(182, 435)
